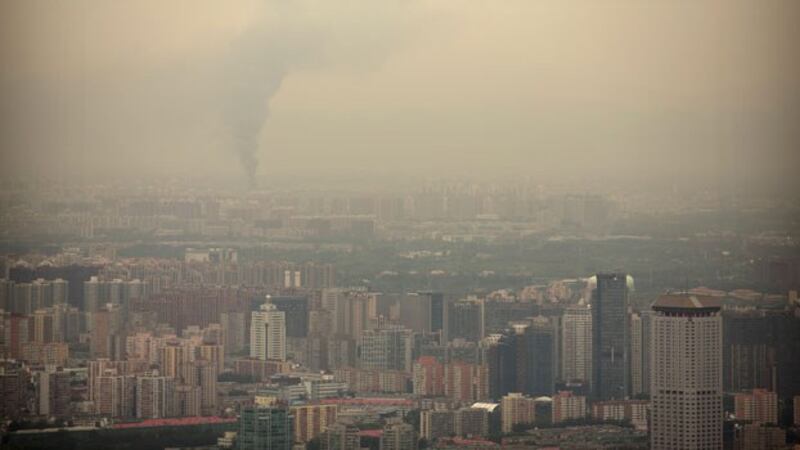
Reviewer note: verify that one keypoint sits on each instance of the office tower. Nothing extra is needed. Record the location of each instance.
(535, 364)
(265, 428)
(610, 337)
(295, 310)
(153, 396)
(233, 325)
(413, 311)
(750, 354)
(640, 352)
(757, 406)
(498, 313)
(340, 436)
(465, 320)
(53, 393)
(568, 406)
(386, 349)
(576, 344)
(268, 333)
(436, 310)
(500, 357)
(398, 435)
(686, 373)
(516, 409)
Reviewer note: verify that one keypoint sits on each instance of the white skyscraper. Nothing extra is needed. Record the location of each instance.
(268, 333)
(576, 344)
(686, 373)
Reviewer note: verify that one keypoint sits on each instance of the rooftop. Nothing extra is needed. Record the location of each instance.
(687, 301)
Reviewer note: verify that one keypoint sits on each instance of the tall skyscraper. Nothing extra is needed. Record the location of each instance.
(465, 320)
(686, 373)
(296, 312)
(576, 344)
(265, 428)
(535, 345)
(610, 337)
(640, 352)
(437, 310)
(268, 333)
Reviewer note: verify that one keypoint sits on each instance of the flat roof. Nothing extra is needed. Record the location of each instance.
(686, 301)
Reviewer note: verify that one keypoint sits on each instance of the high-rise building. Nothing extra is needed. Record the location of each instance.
(610, 337)
(187, 401)
(640, 352)
(757, 406)
(14, 381)
(295, 310)
(114, 395)
(53, 393)
(268, 333)
(465, 320)
(265, 428)
(500, 357)
(498, 313)
(387, 348)
(154, 394)
(436, 423)
(751, 436)
(568, 406)
(311, 420)
(437, 310)
(633, 411)
(796, 409)
(340, 436)
(398, 435)
(205, 377)
(576, 344)
(466, 383)
(428, 377)
(472, 421)
(686, 373)
(535, 364)
(516, 409)
(350, 312)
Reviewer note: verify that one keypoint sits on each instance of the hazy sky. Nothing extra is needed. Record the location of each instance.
(614, 89)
